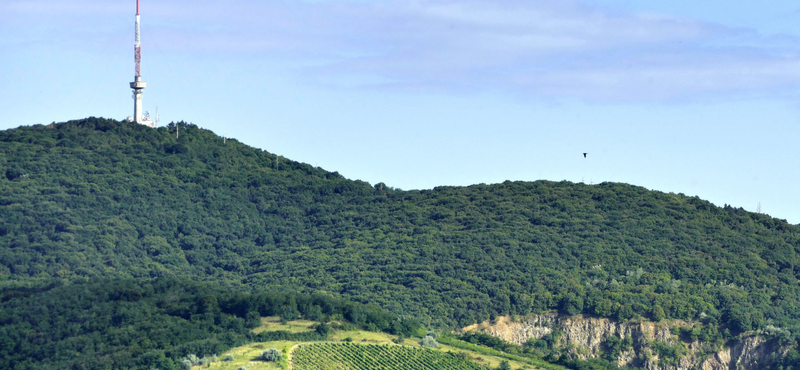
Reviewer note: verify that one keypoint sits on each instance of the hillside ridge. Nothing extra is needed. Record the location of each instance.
(102, 198)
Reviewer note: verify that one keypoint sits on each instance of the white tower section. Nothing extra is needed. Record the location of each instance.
(138, 85)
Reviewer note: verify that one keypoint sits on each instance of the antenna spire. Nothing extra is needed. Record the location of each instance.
(137, 45)
(138, 85)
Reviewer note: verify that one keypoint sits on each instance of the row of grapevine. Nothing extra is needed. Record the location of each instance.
(353, 356)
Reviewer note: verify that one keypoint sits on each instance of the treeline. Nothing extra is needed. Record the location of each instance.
(547, 349)
(145, 324)
(96, 197)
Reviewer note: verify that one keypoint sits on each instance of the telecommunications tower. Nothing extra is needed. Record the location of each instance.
(138, 85)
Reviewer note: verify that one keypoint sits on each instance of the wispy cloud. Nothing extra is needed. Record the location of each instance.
(548, 49)
(20, 8)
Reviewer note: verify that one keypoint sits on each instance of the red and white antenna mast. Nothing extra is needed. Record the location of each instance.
(137, 46)
(138, 85)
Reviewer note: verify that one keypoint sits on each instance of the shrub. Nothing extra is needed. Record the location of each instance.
(193, 359)
(208, 360)
(323, 329)
(228, 357)
(270, 355)
(190, 360)
(252, 319)
(429, 341)
(186, 364)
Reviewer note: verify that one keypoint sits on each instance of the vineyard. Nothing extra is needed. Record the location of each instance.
(349, 356)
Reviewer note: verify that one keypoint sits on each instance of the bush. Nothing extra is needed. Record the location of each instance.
(193, 359)
(252, 319)
(186, 364)
(270, 355)
(228, 357)
(323, 329)
(208, 360)
(429, 341)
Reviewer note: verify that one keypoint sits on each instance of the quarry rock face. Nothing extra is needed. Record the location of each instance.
(585, 337)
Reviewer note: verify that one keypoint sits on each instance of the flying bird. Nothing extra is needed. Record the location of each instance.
(584, 155)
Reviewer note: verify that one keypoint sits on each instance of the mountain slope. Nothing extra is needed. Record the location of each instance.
(97, 197)
(152, 323)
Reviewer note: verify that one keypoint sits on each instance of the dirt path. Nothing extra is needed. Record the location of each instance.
(289, 357)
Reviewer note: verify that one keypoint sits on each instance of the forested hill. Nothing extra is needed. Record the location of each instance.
(102, 198)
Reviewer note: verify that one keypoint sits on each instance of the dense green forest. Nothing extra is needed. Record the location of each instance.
(145, 324)
(98, 198)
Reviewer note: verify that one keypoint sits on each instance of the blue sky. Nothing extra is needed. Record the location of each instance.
(700, 98)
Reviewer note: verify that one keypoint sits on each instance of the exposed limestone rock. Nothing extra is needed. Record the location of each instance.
(749, 353)
(584, 337)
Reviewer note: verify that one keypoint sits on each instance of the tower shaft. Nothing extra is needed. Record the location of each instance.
(138, 85)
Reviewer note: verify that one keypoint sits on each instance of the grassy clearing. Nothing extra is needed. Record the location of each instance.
(491, 353)
(486, 360)
(361, 336)
(245, 356)
(273, 323)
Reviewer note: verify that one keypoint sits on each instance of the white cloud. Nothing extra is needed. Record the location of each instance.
(550, 49)
(39, 8)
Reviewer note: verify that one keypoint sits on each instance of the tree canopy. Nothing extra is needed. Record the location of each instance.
(98, 198)
(151, 323)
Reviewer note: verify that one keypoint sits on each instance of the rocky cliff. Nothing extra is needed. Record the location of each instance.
(644, 344)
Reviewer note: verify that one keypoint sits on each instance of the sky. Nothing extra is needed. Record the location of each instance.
(699, 98)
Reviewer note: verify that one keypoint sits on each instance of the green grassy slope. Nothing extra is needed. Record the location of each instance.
(349, 347)
(96, 197)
